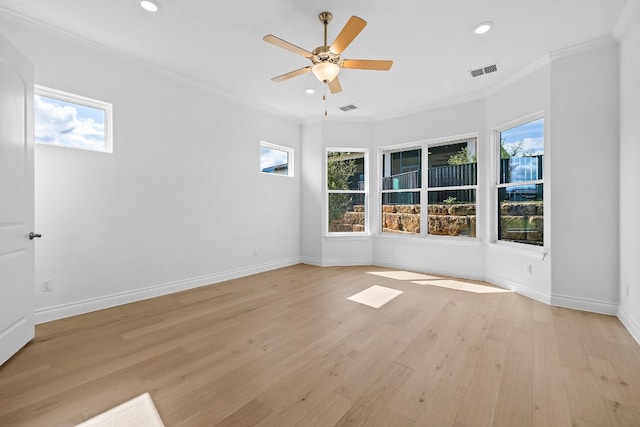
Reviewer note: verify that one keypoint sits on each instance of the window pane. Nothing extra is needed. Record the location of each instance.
(453, 165)
(452, 213)
(401, 212)
(345, 171)
(520, 210)
(522, 152)
(346, 212)
(69, 124)
(273, 160)
(402, 170)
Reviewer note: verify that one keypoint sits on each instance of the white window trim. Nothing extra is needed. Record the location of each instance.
(290, 159)
(87, 102)
(367, 202)
(424, 190)
(496, 185)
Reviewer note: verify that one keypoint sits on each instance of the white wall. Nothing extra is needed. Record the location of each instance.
(179, 203)
(629, 179)
(319, 249)
(584, 174)
(436, 254)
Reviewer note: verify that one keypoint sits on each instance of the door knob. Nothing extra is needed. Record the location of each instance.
(33, 235)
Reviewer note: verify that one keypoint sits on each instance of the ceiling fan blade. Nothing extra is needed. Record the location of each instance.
(367, 64)
(286, 45)
(351, 29)
(334, 85)
(291, 74)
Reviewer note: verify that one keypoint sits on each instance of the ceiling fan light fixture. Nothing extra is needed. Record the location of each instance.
(149, 5)
(325, 71)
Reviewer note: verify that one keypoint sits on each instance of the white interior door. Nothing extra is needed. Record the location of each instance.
(16, 200)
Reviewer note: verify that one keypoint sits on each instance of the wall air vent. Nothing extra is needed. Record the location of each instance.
(348, 107)
(484, 70)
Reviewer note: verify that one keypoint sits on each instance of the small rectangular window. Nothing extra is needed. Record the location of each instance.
(346, 192)
(520, 183)
(275, 159)
(73, 121)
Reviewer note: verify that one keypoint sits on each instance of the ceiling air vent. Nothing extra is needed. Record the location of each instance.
(484, 70)
(476, 73)
(491, 69)
(348, 107)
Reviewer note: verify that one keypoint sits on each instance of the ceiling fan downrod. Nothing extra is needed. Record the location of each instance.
(325, 18)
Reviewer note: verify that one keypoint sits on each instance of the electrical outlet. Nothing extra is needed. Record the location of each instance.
(528, 268)
(47, 285)
(255, 252)
(627, 290)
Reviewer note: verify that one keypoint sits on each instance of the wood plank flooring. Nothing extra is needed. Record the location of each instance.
(286, 348)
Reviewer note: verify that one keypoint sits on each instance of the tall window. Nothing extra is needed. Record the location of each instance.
(346, 191)
(447, 189)
(452, 181)
(67, 120)
(275, 159)
(520, 183)
(401, 184)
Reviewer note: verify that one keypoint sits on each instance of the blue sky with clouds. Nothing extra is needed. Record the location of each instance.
(272, 157)
(532, 133)
(67, 124)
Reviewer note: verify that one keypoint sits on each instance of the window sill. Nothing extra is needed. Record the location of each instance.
(532, 251)
(438, 240)
(347, 236)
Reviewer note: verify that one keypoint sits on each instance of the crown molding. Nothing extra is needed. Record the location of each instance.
(629, 11)
(579, 48)
(534, 66)
(158, 70)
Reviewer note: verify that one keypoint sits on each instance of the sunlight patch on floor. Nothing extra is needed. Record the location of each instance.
(462, 286)
(403, 275)
(375, 296)
(137, 412)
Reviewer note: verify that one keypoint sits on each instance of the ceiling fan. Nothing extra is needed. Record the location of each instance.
(326, 59)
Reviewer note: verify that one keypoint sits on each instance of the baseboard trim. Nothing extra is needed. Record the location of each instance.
(632, 326)
(584, 304)
(335, 262)
(518, 288)
(48, 314)
(393, 264)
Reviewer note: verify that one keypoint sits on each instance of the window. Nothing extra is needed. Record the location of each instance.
(450, 192)
(72, 121)
(452, 181)
(401, 184)
(275, 159)
(346, 191)
(520, 183)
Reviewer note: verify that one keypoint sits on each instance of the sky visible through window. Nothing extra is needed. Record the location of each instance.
(531, 133)
(271, 157)
(70, 125)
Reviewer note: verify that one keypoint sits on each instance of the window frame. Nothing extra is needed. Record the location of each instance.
(424, 189)
(497, 185)
(290, 159)
(365, 192)
(84, 101)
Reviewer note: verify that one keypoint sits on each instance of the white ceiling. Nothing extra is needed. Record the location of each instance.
(219, 44)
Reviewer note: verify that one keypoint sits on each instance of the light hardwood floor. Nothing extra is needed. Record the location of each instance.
(286, 347)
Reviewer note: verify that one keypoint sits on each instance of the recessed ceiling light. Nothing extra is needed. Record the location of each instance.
(149, 5)
(309, 91)
(482, 27)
